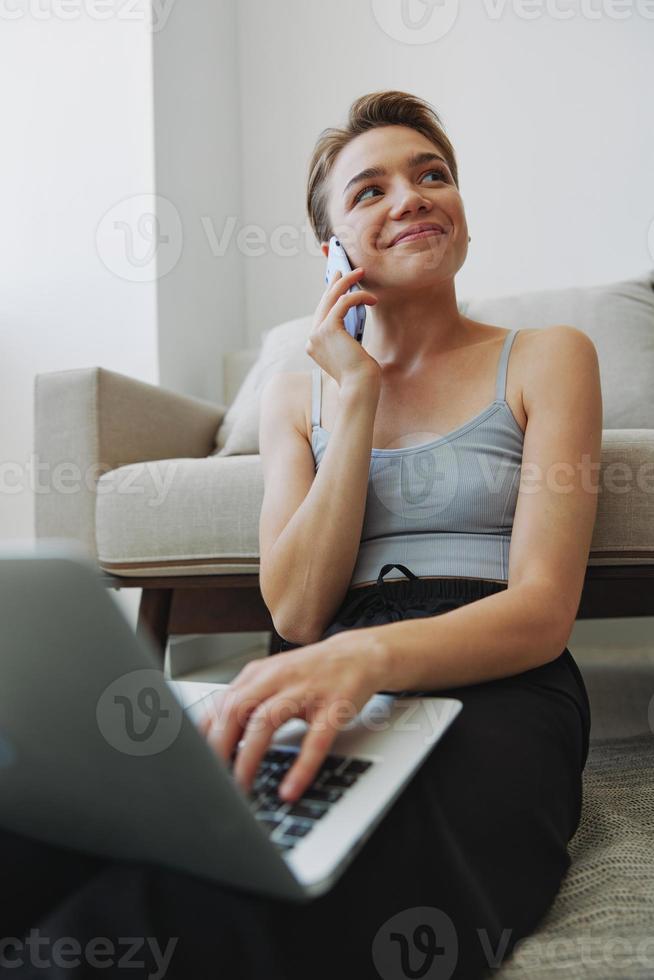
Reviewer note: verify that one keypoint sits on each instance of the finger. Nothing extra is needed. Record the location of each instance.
(229, 721)
(255, 683)
(213, 704)
(315, 747)
(354, 299)
(261, 727)
(204, 724)
(337, 314)
(340, 278)
(339, 284)
(215, 707)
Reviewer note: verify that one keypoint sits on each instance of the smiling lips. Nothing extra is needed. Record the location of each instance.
(418, 231)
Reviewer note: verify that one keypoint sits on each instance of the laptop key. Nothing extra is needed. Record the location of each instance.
(356, 765)
(260, 780)
(271, 801)
(269, 820)
(312, 811)
(275, 767)
(281, 755)
(324, 794)
(342, 779)
(298, 828)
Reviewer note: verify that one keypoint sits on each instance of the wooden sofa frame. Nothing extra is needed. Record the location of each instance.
(234, 604)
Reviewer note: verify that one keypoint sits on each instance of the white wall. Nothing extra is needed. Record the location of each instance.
(77, 139)
(197, 159)
(549, 119)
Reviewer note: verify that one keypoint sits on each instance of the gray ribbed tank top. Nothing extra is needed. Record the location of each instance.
(443, 507)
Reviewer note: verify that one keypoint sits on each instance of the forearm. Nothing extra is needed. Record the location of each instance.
(500, 635)
(314, 557)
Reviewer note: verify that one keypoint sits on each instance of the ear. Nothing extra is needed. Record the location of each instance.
(324, 247)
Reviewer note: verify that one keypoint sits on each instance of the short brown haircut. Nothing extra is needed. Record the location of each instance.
(388, 108)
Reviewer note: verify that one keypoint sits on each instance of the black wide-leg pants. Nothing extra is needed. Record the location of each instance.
(465, 863)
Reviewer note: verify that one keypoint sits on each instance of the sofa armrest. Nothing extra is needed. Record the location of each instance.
(624, 528)
(89, 421)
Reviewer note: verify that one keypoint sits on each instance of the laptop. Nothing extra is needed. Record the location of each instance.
(102, 754)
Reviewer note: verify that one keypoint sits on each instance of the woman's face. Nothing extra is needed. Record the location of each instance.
(370, 212)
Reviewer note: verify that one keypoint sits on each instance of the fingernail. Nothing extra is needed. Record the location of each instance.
(287, 788)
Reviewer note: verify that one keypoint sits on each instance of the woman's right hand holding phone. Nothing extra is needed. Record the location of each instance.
(329, 343)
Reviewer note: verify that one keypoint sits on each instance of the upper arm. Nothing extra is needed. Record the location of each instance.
(287, 462)
(557, 501)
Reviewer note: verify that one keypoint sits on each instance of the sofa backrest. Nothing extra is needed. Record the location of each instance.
(618, 318)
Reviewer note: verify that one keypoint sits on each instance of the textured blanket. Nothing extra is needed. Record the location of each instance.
(601, 924)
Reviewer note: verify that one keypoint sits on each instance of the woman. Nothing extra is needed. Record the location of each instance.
(401, 455)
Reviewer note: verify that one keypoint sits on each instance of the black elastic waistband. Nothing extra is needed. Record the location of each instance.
(467, 589)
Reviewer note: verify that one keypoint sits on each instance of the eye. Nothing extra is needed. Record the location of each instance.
(372, 187)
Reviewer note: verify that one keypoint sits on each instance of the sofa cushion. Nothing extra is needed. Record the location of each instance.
(181, 517)
(201, 516)
(282, 349)
(618, 317)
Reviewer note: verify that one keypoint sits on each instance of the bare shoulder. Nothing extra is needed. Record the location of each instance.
(291, 391)
(559, 353)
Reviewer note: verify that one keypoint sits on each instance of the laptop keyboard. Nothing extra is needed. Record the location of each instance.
(286, 823)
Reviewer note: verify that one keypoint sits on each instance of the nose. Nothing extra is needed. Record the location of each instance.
(409, 199)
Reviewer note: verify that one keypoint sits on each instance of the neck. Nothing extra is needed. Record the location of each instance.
(409, 327)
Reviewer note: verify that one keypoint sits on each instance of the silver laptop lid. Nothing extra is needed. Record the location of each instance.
(79, 769)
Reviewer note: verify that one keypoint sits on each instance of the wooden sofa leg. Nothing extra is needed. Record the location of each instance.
(154, 616)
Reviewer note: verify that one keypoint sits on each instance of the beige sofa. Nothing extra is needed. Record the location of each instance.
(165, 491)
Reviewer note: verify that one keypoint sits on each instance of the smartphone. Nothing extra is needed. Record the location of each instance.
(355, 318)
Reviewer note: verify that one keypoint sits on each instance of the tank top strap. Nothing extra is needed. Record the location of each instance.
(502, 368)
(316, 395)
